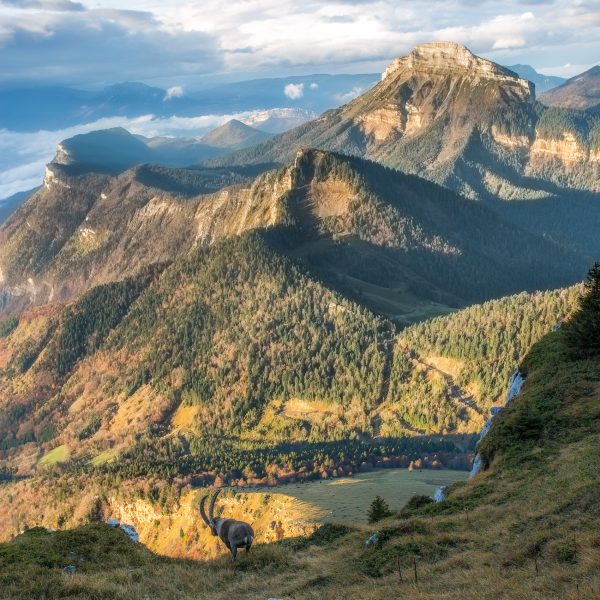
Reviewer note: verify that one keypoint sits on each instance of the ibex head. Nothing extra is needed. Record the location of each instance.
(234, 534)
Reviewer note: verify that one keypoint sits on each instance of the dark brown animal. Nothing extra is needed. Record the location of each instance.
(234, 534)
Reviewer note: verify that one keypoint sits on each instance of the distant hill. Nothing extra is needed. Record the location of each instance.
(234, 135)
(581, 92)
(115, 150)
(542, 82)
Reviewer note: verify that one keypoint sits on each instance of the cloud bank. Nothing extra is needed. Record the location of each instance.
(86, 42)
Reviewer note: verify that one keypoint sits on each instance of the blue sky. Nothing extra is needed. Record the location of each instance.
(178, 42)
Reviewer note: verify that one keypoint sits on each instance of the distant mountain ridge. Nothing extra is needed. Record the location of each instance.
(542, 82)
(355, 204)
(52, 108)
(581, 92)
(115, 149)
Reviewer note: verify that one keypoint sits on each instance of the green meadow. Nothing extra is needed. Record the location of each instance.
(347, 499)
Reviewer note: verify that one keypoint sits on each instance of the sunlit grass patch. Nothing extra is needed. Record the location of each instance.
(58, 455)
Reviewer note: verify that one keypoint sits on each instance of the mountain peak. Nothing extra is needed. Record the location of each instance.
(435, 50)
(451, 57)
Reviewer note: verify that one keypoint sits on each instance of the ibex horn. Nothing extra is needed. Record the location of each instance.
(203, 511)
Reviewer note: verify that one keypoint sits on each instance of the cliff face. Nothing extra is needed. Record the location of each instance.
(437, 78)
(182, 533)
(449, 58)
(82, 230)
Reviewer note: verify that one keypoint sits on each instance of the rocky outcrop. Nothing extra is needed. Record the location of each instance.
(568, 149)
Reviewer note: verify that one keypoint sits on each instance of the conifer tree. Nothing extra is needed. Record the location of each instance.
(378, 510)
(583, 330)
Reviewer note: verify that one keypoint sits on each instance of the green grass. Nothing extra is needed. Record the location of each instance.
(559, 404)
(347, 500)
(58, 455)
(31, 566)
(104, 458)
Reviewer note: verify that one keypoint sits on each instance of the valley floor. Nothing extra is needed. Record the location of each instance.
(346, 500)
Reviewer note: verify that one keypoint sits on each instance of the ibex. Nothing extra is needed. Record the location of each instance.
(234, 534)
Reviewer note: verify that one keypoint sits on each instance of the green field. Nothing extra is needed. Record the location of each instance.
(347, 499)
(59, 455)
(103, 458)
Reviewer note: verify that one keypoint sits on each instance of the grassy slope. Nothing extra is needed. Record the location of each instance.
(538, 502)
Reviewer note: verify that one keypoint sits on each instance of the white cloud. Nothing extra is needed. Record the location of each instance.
(59, 41)
(294, 91)
(503, 43)
(314, 86)
(174, 92)
(350, 95)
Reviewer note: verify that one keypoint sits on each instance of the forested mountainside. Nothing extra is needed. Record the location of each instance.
(505, 532)
(239, 339)
(390, 241)
(462, 361)
(99, 402)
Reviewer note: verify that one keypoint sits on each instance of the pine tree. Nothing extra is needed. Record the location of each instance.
(378, 510)
(583, 330)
